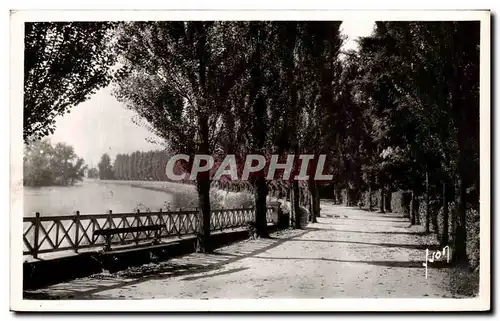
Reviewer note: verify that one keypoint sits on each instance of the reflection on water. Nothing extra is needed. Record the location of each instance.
(90, 197)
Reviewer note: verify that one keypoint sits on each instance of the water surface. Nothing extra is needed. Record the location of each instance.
(91, 197)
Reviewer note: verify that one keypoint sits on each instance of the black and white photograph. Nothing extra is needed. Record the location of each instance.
(188, 159)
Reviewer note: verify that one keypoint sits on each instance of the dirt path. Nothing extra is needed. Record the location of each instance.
(357, 255)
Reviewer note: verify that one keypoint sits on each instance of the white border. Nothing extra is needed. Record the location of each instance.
(16, 63)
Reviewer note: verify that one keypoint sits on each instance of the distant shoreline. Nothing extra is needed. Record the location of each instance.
(159, 186)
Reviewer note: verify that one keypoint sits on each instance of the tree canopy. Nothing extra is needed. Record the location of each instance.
(64, 64)
(47, 165)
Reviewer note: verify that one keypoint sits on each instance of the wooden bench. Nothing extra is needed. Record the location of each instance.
(109, 232)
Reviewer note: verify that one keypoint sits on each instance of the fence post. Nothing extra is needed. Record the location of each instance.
(77, 230)
(110, 218)
(162, 224)
(37, 232)
(196, 221)
(109, 238)
(180, 223)
(137, 219)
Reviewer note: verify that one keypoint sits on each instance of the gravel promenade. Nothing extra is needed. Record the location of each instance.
(349, 253)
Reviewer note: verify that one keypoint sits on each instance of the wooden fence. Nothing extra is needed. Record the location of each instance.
(46, 234)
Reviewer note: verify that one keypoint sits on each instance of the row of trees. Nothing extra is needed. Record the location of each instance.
(418, 93)
(400, 114)
(141, 166)
(235, 88)
(135, 166)
(403, 113)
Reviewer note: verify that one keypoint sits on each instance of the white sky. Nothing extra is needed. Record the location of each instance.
(103, 125)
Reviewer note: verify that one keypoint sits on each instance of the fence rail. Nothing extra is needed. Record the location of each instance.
(46, 234)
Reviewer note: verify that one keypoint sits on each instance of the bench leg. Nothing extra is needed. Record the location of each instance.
(107, 247)
(156, 239)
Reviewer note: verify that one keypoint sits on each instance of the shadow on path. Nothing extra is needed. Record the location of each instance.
(192, 278)
(365, 232)
(388, 219)
(391, 245)
(403, 264)
(380, 232)
(402, 220)
(85, 288)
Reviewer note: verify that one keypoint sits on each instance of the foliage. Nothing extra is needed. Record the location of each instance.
(400, 114)
(64, 64)
(47, 165)
(148, 166)
(420, 82)
(177, 76)
(105, 168)
(93, 173)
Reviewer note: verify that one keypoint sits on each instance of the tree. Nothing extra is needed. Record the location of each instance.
(134, 157)
(319, 75)
(179, 78)
(105, 168)
(118, 167)
(36, 164)
(46, 165)
(430, 72)
(93, 173)
(64, 64)
(149, 166)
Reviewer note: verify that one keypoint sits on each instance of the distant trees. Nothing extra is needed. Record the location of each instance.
(141, 166)
(105, 167)
(93, 173)
(47, 165)
(64, 63)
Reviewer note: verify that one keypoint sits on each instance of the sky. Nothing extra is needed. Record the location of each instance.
(103, 125)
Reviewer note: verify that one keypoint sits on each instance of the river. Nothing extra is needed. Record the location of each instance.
(92, 197)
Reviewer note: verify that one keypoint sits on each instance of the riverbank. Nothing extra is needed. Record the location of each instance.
(186, 196)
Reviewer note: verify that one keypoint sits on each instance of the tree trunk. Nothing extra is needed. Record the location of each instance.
(405, 204)
(461, 208)
(310, 206)
(203, 234)
(461, 232)
(444, 235)
(370, 207)
(412, 208)
(360, 199)
(427, 204)
(388, 200)
(382, 197)
(296, 205)
(416, 208)
(314, 210)
(358, 177)
(316, 200)
(261, 192)
(314, 213)
(203, 188)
